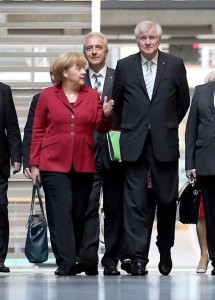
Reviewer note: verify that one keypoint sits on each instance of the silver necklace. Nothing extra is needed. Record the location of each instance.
(70, 95)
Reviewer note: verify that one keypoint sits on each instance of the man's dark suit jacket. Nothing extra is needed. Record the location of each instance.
(200, 131)
(28, 131)
(135, 111)
(99, 138)
(10, 138)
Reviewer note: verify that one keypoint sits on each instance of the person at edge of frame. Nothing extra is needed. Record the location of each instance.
(10, 154)
(29, 127)
(199, 154)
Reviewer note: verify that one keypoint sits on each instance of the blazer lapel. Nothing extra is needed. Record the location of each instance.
(61, 95)
(139, 70)
(87, 78)
(107, 83)
(81, 95)
(160, 69)
(210, 95)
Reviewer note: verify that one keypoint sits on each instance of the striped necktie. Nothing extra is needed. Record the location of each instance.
(97, 83)
(149, 78)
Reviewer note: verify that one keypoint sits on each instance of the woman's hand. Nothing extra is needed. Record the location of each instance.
(107, 107)
(35, 174)
(27, 173)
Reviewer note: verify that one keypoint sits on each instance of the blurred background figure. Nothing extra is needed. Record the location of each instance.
(200, 163)
(201, 226)
(10, 154)
(28, 129)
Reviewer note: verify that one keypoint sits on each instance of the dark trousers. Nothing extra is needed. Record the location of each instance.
(113, 212)
(90, 242)
(67, 196)
(4, 222)
(207, 186)
(111, 181)
(139, 209)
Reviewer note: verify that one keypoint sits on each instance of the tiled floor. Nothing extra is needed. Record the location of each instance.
(44, 285)
(30, 282)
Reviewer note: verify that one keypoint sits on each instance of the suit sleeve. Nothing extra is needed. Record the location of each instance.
(28, 132)
(103, 124)
(12, 128)
(117, 95)
(39, 128)
(191, 133)
(183, 92)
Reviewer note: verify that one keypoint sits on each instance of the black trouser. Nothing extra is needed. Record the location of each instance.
(207, 186)
(113, 214)
(138, 209)
(90, 243)
(67, 196)
(4, 222)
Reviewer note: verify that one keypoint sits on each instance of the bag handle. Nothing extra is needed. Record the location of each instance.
(36, 189)
(191, 181)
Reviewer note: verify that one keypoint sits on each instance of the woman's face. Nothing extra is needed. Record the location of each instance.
(75, 74)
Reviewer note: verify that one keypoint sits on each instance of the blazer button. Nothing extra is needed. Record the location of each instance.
(72, 116)
(73, 125)
(72, 133)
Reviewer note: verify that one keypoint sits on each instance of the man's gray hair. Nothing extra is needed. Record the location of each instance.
(98, 34)
(210, 77)
(146, 26)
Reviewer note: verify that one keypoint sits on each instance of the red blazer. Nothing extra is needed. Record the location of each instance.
(63, 134)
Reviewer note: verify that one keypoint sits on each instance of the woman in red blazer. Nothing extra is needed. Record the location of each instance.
(62, 154)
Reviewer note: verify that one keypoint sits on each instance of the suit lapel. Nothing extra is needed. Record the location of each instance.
(87, 78)
(160, 69)
(139, 70)
(61, 95)
(81, 96)
(107, 83)
(210, 95)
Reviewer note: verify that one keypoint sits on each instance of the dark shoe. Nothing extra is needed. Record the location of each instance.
(213, 271)
(138, 269)
(111, 271)
(4, 269)
(165, 264)
(78, 268)
(89, 267)
(66, 272)
(126, 265)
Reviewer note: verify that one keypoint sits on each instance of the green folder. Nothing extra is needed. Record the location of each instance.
(113, 138)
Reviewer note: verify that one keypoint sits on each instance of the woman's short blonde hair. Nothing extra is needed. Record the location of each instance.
(210, 77)
(66, 60)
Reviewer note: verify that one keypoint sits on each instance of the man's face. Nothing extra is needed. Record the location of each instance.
(95, 52)
(148, 43)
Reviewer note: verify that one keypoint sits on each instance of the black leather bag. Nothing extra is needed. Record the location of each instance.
(36, 246)
(189, 201)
